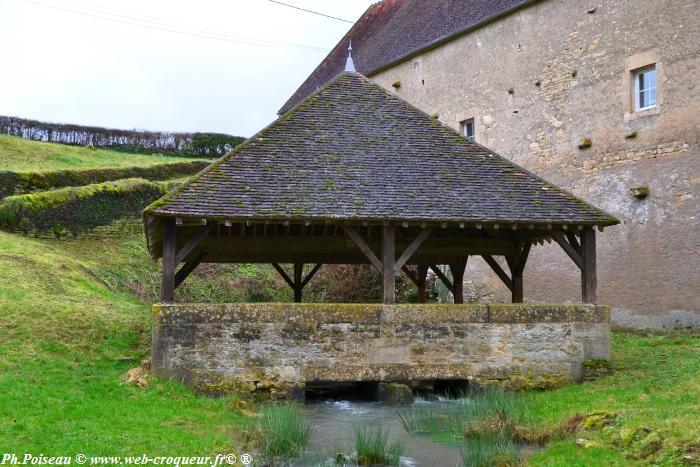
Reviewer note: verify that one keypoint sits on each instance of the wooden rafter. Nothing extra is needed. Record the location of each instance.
(366, 250)
(499, 271)
(297, 283)
(188, 268)
(568, 249)
(410, 274)
(311, 274)
(202, 232)
(284, 274)
(411, 249)
(573, 241)
(445, 280)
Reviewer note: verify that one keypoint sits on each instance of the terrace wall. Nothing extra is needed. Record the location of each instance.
(283, 346)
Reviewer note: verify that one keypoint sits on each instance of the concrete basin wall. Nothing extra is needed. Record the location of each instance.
(280, 346)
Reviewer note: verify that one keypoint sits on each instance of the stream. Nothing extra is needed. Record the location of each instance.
(334, 422)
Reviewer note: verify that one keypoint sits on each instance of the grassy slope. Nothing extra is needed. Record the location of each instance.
(21, 155)
(656, 385)
(64, 339)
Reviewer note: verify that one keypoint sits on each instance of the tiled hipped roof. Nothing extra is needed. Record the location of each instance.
(353, 151)
(392, 29)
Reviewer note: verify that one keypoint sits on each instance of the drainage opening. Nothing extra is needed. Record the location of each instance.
(381, 391)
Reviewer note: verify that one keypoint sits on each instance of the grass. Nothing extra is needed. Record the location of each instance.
(457, 416)
(489, 451)
(655, 387)
(66, 341)
(372, 447)
(21, 155)
(131, 270)
(646, 412)
(284, 430)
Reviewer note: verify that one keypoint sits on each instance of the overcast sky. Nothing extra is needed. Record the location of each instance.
(76, 67)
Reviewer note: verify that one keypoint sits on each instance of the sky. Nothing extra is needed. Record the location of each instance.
(62, 61)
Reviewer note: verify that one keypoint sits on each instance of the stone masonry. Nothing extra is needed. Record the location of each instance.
(542, 79)
(279, 347)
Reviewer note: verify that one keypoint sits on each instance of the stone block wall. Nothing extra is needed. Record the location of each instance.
(281, 346)
(569, 67)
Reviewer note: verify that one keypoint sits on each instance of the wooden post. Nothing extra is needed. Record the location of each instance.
(518, 293)
(457, 270)
(298, 269)
(516, 263)
(388, 263)
(167, 285)
(589, 279)
(422, 273)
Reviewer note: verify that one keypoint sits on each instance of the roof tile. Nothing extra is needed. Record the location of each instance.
(354, 151)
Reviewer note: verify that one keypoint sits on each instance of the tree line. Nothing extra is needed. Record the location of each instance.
(185, 144)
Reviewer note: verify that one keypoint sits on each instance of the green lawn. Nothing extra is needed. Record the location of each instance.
(656, 387)
(21, 155)
(66, 341)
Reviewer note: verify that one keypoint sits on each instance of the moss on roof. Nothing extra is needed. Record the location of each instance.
(352, 140)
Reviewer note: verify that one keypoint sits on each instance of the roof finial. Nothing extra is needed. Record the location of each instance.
(349, 64)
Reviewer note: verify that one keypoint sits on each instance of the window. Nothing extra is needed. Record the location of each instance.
(645, 88)
(468, 129)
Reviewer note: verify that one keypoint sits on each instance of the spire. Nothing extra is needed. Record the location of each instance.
(349, 64)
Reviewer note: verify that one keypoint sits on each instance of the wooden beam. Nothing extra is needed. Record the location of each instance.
(311, 274)
(337, 250)
(411, 249)
(389, 264)
(589, 278)
(298, 271)
(284, 275)
(499, 271)
(296, 282)
(457, 270)
(445, 280)
(167, 284)
(568, 249)
(516, 263)
(202, 232)
(410, 275)
(188, 267)
(422, 276)
(573, 241)
(524, 254)
(362, 245)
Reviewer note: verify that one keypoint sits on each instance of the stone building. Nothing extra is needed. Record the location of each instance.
(599, 97)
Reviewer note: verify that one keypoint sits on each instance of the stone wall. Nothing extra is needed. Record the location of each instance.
(280, 346)
(542, 79)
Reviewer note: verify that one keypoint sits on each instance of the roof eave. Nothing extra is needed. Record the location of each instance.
(379, 220)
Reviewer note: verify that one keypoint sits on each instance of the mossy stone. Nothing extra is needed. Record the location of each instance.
(398, 394)
(598, 420)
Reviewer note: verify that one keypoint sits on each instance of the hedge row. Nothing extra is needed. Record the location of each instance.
(77, 210)
(185, 144)
(14, 183)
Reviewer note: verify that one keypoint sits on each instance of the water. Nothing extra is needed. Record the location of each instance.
(334, 425)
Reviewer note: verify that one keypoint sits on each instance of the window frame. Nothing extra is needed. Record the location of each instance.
(463, 129)
(637, 75)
